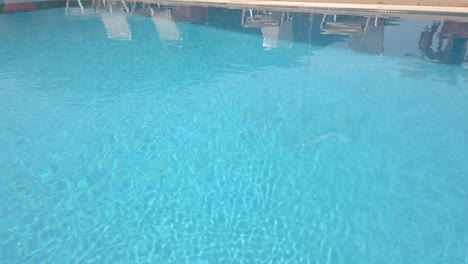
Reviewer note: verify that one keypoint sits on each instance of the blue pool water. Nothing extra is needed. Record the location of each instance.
(210, 139)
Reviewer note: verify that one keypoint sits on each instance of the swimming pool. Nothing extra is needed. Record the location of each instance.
(178, 134)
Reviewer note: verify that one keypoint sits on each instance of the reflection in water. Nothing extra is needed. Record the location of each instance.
(116, 26)
(165, 25)
(440, 41)
(451, 46)
(13, 6)
(366, 34)
(275, 26)
(190, 14)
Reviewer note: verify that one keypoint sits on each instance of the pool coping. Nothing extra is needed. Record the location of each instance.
(376, 8)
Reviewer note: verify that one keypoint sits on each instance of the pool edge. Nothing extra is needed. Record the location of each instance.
(381, 8)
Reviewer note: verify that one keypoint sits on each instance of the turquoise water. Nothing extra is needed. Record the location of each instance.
(213, 143)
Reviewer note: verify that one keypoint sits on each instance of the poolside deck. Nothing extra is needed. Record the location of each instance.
(390, 6)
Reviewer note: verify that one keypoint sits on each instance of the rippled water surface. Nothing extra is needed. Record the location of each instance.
(207, 135)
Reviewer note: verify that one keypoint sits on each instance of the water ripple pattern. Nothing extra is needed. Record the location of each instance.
(210, 145)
